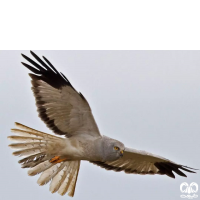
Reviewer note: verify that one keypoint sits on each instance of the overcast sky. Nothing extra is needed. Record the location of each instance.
(149, 100)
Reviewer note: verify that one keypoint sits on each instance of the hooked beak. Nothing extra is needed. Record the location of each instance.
(121, 153)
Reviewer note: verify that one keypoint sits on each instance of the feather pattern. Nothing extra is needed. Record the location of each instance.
(141, 162)
(70, 178)
(34, 160)
(38, 148)
(28, 152)
(58, 179)
(40, 168)
(60, 106)
(65, 183)
(48, 174)
(24, 139)
(73, 182)
(27, 145)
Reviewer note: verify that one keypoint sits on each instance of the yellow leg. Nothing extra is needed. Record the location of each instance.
(56, 159)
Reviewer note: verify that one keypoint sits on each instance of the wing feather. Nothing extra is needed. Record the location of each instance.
(60, 106)
(141, 162)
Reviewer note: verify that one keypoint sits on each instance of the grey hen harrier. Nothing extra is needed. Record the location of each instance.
(67, 113)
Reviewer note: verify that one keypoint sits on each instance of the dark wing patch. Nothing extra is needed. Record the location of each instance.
(47, 73)
(166, 168)
(60, 106)
(42, 110)
(51, 76)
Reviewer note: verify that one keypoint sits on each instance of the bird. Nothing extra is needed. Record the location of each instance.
(66, 112)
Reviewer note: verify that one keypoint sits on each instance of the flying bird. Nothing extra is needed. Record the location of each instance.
(67, 113)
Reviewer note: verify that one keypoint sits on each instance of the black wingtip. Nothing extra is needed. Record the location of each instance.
(185, 168)
(171, 175)
(189, 167)
(47, 72)
(31, 68)
(24, 64)
(54, 69)
(23, 55)
(32, 53)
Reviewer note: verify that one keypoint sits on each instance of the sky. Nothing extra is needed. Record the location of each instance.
(149, 100)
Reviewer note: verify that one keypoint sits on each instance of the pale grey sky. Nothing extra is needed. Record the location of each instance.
(150, 100)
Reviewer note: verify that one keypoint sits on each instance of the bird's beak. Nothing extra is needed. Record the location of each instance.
(121, 153)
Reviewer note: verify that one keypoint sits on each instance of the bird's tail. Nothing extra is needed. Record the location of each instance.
(37, 148)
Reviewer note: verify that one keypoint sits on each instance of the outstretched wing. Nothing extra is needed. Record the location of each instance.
(60, 106)
(141, 162)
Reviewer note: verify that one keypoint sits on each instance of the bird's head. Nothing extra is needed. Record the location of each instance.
(112, 149)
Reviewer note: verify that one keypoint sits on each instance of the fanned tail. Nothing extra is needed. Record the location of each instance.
(65, 180)
(37, 148)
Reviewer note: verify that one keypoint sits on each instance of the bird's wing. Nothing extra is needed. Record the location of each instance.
(60, 106)
(142, 162)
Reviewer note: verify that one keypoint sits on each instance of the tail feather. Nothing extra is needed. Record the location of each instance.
(65, 184)
(36, 161)
(58, 179)
(38, 148)
(40, 168)
(61, 180)
(24, 139)
(69, 183)
(47, 175)
(31, 130)
(26, 133)
(28, 152)
(23, 127)
(27, 145)
(73, 182)
(71, 172)
(32, 158)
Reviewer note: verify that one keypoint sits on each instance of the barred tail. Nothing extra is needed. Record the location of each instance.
(36, 147)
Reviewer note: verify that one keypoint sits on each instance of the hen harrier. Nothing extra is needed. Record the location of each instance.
(67, 113)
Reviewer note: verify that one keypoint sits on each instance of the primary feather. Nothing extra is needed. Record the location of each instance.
(60, 106)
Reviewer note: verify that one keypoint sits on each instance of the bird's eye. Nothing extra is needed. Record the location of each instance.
(116, 148)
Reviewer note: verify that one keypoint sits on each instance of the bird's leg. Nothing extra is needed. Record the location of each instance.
(56, 159)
